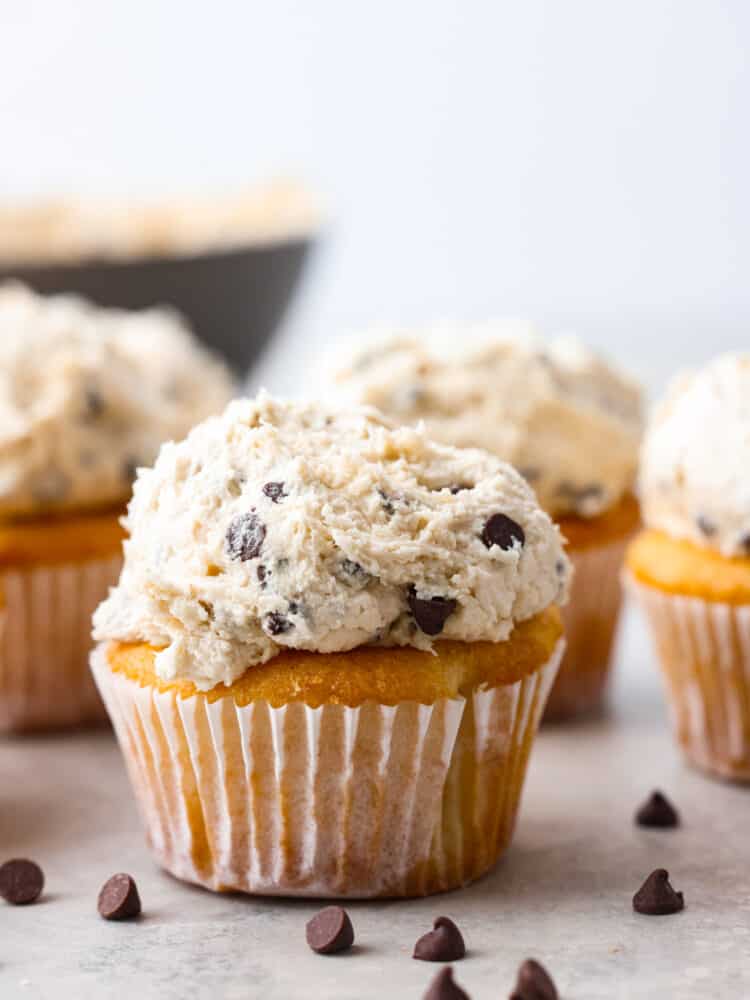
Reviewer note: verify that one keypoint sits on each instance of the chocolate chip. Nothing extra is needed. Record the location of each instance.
(21, 881)
(330, 931)
(262, 573)
(443, 987)
(388, 504)
(430, 614)
(533, 983)
(458, 488)
(275, 491)
(245, 537)
(657, 811)
(444, 943)
(503, 531)
(656, 897)
(276, 624)
(119, 899)
(350, 572)
(705, 525)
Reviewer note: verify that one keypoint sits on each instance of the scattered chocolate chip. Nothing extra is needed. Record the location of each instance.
(444, 943)
(275, 491)
(533, 983)
(656, 897)
(276, 624)
(657, 811)
(245, 536)
(330, 931)
(349, 571)
(119, 899)
(21, 881)
(705, 525)
(388, 504)
(93, 402)
(503, 531)
(432, 613)
(443, 987)
(458, 488)
(262, 574)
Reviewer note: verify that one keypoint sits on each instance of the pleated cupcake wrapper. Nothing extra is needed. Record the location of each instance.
(704, 650)
(45, 642)
(332, 801)
(590, 618)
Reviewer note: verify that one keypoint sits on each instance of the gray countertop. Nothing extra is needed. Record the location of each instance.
(562, 893)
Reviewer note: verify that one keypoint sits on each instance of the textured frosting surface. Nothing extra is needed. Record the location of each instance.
(555, 410)
(88, 394)
(695, 465)
(280, 525)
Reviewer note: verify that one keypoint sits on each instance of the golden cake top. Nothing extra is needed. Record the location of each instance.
(304, 526)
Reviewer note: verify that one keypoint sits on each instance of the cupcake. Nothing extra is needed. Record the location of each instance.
(568, 422)
(328, 652)
(86, 395)
(690, 567)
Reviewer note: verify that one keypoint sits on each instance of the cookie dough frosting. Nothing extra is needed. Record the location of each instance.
(556, 411)
(300, 526)
(695, 469)
(88, 394)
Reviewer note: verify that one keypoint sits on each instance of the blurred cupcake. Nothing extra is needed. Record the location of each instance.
(86, 395)
(568, 422)
(328, 653)
(691, 566)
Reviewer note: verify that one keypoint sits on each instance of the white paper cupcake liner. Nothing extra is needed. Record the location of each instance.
(590, 619)
(45, 681)
(331, 801)
(704, 650)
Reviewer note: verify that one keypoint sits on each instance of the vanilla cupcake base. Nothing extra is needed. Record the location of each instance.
(334, 801)
(704, 651)
(45, 681)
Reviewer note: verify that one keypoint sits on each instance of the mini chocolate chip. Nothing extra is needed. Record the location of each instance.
(94, 403)
(458, 488)
(276, 624)
(443, 987)
(533, 983)
(119, 899)
(444, 943)
(388, 505)
(656, 897)
(657, 811)
(245, 536)
(330, 931)
(705, 525)
(21, 881)
(432, 613)
(262, 573)
(503, 531)
(351, 572)
(275, 491)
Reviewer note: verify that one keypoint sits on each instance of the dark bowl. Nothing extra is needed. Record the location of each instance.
(233, 298)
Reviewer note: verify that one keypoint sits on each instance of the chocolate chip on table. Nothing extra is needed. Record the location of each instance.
(275, 491)
(330, 931)
(444, 943)
(657, 811)
(443, 987)
(21, 881)
(656, 897)
(276, 624)
(533, 983)
(119, 899)
(431, 613)
(503, 531)
(245, 536)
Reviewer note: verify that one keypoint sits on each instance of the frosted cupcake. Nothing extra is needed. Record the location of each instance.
(691, 566)
(328, 653)
(86, 395)
(567, 421)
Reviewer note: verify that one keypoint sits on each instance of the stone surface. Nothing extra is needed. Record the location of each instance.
(562, 894)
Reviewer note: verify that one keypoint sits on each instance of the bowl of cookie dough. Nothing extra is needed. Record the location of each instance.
(230, 265)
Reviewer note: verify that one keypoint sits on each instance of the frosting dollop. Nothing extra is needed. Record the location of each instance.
(695, 463)
(281, 525)
(88, 394)
(563, 417)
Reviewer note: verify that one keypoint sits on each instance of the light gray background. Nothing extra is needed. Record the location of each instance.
(583, 162)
